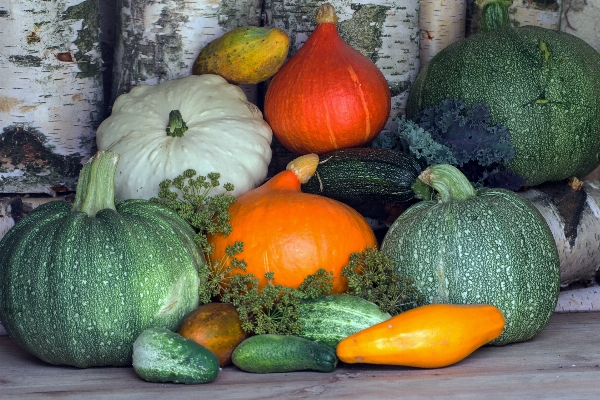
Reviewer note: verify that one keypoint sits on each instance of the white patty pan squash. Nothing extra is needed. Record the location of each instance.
(197, 122)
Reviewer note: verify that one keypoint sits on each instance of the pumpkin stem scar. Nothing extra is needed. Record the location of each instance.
(177, 126)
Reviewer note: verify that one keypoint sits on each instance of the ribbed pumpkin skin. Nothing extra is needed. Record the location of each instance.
(293, 234)
(327, 96)
(77, 290)
(493, 248)
(508, 70)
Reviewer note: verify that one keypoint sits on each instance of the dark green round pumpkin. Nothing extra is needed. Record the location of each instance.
(542, 84)
(487, 246)
(79, 282)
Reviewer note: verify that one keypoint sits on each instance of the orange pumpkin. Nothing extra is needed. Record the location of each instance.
(328, 95)
(430, 336)
(291, 233)
(215, 326)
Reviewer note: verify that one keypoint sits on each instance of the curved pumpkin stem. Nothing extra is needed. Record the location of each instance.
(96, 185)
(304, 167)
(448, 181)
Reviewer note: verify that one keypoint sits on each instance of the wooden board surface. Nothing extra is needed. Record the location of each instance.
(561, 362)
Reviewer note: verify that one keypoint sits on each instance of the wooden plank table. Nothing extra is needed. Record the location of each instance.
(562, 362)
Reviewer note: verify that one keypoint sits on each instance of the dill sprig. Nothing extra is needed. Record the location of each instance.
(273, 309)
(372, 276)
(191, 198)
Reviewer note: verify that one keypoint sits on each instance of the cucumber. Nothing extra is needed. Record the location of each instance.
(331, 318)
(279, 353)
(160, 355)
(366, 174)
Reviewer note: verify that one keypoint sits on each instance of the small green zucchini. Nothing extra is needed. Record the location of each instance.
(280, 353)
(160, 355)
(367, 174)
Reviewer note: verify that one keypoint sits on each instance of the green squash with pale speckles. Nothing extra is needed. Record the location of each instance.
(542, 84)
(469, 247)
(79, 282)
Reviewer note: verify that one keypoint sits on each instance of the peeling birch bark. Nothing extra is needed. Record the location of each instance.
(158, 40)
(574, 220)
(442, 23)
(544, 13)
(582, 19)
(386, 31)
(51, 95)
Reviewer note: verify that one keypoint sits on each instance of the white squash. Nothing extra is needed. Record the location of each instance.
(226, 134)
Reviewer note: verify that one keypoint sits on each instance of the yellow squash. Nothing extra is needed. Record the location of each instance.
(244, 55)
(431, 336)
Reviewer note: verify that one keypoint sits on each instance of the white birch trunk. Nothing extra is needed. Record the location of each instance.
(159, 40)
(582, 19)
(51, 95)
(575, 228)
(386, 31)
(442, 23)
(576, 300)
(521, 13)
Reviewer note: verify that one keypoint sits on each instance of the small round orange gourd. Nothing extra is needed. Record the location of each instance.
(328, 95)
(430, 336)
(217, 327)
(293, 234)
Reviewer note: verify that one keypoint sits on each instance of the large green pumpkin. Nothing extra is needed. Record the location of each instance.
(543, 85)
(79, 282)
(488, 246)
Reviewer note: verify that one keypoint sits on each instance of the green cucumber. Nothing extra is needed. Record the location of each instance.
(330, 318)
(280, 353)
(160, 355)
(366, 174)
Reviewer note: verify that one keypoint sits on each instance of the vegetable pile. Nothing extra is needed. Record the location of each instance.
(179, 258)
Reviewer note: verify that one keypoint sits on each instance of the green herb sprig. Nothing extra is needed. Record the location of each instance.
(372, 276)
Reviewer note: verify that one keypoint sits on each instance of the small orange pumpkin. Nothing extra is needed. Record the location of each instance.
(215, 326)
(291, 233)
(328, 95)
(430, 336)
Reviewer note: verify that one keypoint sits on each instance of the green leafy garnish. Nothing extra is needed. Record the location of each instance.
(372, 276)
(274, 308)
(191, 199)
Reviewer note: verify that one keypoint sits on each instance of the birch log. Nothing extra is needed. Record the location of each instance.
(386, 31)
(582, 19)
(442, 23)
(158, 40)
(544, 13)
(51, 95)
(574, 219)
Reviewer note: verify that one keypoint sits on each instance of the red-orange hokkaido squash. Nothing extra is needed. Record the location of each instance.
(291, 233)
(328, 95)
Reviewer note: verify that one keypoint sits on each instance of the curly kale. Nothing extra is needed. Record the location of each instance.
(452, 133)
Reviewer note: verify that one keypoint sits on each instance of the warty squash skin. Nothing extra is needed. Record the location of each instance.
(291, 233)
(77, 289)
(328, 95)
(217, 327)
(430, 336)
(244, 55)
(486, 246)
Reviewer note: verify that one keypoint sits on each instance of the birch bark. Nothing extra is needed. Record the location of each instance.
(442, 23)
(386, 31)
(158, 40)
(51, 95)
(582, 19)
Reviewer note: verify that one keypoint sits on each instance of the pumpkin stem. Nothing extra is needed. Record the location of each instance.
(494, 14)
(304, 166)
(326, 14)
(96, 185)
(177, 126)
(448, 181)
